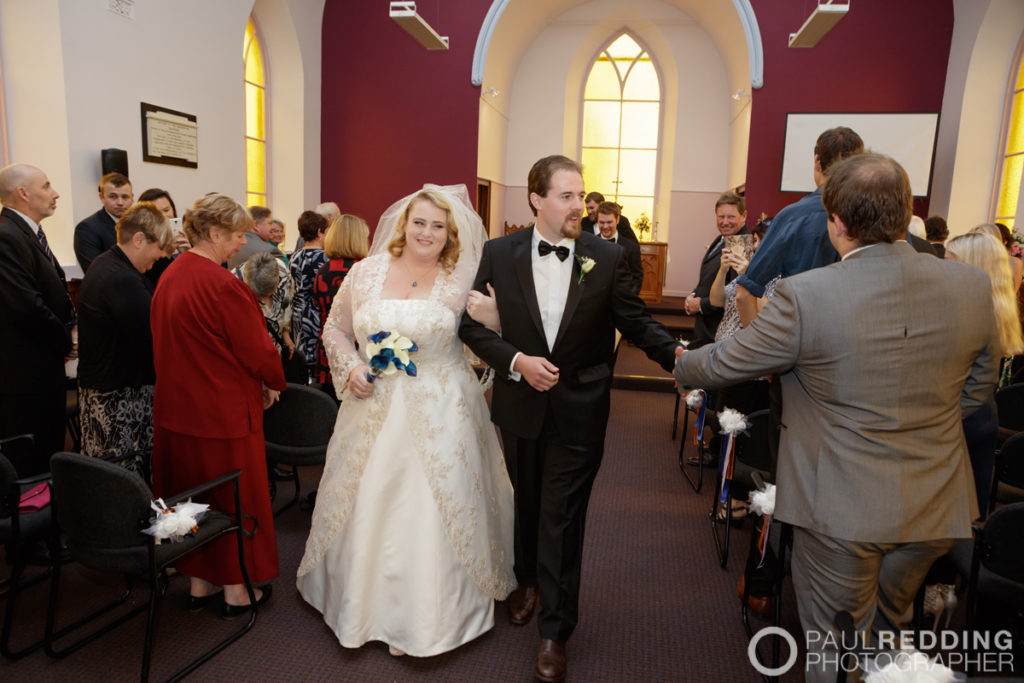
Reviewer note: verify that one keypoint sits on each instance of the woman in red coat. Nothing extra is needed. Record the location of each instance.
(216, 371)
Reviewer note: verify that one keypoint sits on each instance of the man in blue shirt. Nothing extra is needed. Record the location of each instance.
(798, 237)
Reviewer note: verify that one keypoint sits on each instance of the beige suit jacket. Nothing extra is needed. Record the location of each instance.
(879, 356)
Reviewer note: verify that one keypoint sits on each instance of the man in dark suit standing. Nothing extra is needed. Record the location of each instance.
(560, 296)
(731, 219)
(607, 223)
(589, 220)
(36, 315)
(95, 234)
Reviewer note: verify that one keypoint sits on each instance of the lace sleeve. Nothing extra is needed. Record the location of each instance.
(339, 335)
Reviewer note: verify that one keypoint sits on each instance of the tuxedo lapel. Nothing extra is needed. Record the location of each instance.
(521, 257)
(575, 292)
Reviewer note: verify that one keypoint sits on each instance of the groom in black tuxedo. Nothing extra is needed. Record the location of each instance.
(560, 296)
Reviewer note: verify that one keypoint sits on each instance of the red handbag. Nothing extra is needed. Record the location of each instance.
(35, 499)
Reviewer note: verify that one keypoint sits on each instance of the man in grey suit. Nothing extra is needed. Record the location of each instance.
(873, 471)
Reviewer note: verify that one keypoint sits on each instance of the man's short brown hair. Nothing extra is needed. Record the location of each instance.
(609, 209)
(870, 194)
(836, 144)
(731, 198)
(539, 180)
(259, 213)
(116, 179)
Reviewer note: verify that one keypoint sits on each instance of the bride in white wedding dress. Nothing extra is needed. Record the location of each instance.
(411, 538)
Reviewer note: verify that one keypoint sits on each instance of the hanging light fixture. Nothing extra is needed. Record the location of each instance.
(404, 13)
(822, 19)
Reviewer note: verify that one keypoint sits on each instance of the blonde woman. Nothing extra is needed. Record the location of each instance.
(981, 249)
(1003, 235)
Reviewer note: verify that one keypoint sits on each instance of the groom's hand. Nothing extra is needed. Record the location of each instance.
(539, 372)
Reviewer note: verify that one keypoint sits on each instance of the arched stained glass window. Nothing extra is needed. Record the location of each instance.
(621, 110)
(255, 117)
(1008, 191)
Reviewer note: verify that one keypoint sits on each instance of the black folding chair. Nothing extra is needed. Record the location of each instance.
(21, 531)
(109, 538)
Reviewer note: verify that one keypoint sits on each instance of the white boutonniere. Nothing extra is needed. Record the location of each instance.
(586, 265)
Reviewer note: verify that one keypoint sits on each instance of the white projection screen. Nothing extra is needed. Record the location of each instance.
(906, 137)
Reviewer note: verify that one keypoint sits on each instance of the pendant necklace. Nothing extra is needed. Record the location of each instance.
(415, 282)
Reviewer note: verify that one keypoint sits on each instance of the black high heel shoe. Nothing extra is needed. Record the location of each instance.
(232, 611)
(198, 604)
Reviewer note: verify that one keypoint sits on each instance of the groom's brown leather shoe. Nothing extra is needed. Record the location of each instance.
(521, 604)
(550, 661)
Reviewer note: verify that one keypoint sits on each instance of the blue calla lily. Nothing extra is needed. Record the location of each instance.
(379, 336)
(410, 369)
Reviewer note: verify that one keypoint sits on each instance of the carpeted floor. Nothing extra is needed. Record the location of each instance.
(655, 605)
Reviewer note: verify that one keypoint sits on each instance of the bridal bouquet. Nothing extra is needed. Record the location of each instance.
(389, 353)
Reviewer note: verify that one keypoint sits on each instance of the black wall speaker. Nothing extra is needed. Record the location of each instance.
(114, 161)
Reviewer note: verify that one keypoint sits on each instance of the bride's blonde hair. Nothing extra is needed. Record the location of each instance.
(450, 254)
(985, 251)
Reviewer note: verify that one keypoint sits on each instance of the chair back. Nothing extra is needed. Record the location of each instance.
(1009, 467)
(98, 504)
(1000, 542)
(1010, 405)
(753, 449)
(8, 476)
(304, 417)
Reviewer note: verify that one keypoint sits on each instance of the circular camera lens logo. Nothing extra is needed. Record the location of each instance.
(772, 631)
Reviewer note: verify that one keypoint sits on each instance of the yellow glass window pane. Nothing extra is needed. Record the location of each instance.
(636, 170)
(254, 63)
(633, 206)
(624, 47)
(601, 124)
(600, 171)
(1010, 187)
(255, 166)
(254, 114)
(1015, 136)
(603, 82)
(640, 124)
(642, 82)
(253, 199)
(250, 30)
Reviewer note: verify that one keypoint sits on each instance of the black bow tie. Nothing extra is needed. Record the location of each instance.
(610, 239)
(543, 248)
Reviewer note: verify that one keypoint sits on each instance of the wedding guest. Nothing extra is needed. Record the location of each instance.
(258, 238)
(346, 242)
(1005, 237)
(730, 219)
(937, 232)
(95, 233)
(115, 345)
(162, 200)
(264, 274)
(278, 307)
(329, 210)
(981, 428)
(304, 266)
(36, 316)
(216, 371)
(276, 232)
(608, 214)
(873, 472)
(411, 539)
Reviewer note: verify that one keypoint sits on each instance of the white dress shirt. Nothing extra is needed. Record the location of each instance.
(551, 279)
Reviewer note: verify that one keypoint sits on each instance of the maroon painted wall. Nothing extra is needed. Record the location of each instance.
(883, 56)
(395, 115)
